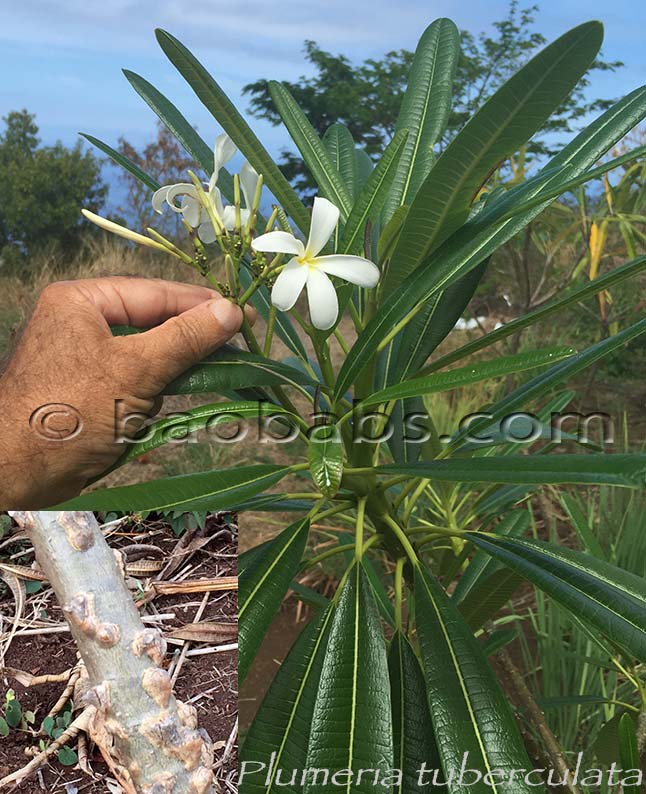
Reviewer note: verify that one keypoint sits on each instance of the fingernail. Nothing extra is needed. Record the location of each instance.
(228, 314)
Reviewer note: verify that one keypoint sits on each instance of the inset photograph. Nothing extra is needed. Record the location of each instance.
(118, 653)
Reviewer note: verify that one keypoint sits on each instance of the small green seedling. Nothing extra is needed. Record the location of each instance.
(55, 727)
(13, 716)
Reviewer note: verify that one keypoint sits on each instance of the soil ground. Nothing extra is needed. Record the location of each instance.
(208, 681)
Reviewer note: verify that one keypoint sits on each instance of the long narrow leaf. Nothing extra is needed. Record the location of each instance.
(223, 110)
(340, 145)
(262, 587)
(230, 368)
(469, 247)
(414, 741)
(208, 490)
(179, 426)
(373, 195)
(282, 724)
(543, 383)
(616, 276)
(628, 470)
(185, 133)
(425, 108)
(463, 695)
(352, 721)
(125, 162)
(606, 597)
(482, 370)
(505, 122)
(310, 146)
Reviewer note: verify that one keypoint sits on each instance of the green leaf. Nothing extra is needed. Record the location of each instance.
(13, 713)
(541, 384)
(503, 124)
(123, 161)
(365, 167)
(309, 145)
(223, 110)
(177, 427)
(230, 368)
(572, 184)
(628, 470)
(282, 724)
(4, 727)
(583, 529)
(485, 601)
(629, 752)
(413, 739)
(48, 725)
(340, 145)
(325, 456)
(372, 196)
(481, 564)
(591, 288)
(208, 490)
(470, 713)
(67, 756)
(432, 325)
(478, 239)
(481, 370)
(185, 133)
(425, 108)
(390, 234)
(262, 586)
(498, 640)
(605, 597)
(352, 722)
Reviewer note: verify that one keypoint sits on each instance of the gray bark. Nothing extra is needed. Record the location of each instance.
(149, 738)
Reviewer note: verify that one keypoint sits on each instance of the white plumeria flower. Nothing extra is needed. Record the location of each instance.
(308, 269)
(189, 204)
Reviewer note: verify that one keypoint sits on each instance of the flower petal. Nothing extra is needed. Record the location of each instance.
(229, 217)
(278, 243)
(289, 285)
(322, 299)
(248, 182)
(325, 217)
(191, 210)
(206, 232)
(180, 189)
(223, 151)
(159, 197)
(354, 269)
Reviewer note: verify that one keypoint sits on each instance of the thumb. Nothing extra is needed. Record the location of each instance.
(182, 341)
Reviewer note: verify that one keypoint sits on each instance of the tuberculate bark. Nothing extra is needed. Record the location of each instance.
(149, 738)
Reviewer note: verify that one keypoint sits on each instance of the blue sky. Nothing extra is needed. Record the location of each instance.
(62, 59)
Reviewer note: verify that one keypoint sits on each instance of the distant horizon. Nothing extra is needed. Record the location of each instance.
(65, 61)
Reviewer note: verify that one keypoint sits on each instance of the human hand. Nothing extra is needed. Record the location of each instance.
(68, 357)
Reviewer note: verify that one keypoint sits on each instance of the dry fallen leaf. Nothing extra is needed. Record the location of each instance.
(206, 631)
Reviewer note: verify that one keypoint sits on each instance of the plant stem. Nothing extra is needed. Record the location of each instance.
(523, 698)
(399, 591)
(401, 537)
(361, 514)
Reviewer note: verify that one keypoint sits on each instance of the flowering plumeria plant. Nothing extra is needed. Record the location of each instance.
(429, 525)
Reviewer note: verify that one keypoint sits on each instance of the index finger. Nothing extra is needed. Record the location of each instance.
(139, 302)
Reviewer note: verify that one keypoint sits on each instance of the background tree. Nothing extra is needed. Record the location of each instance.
(366, 96)
(44, 188)
(168, 162)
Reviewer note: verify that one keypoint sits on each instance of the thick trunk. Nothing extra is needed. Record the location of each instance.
(151, 738)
